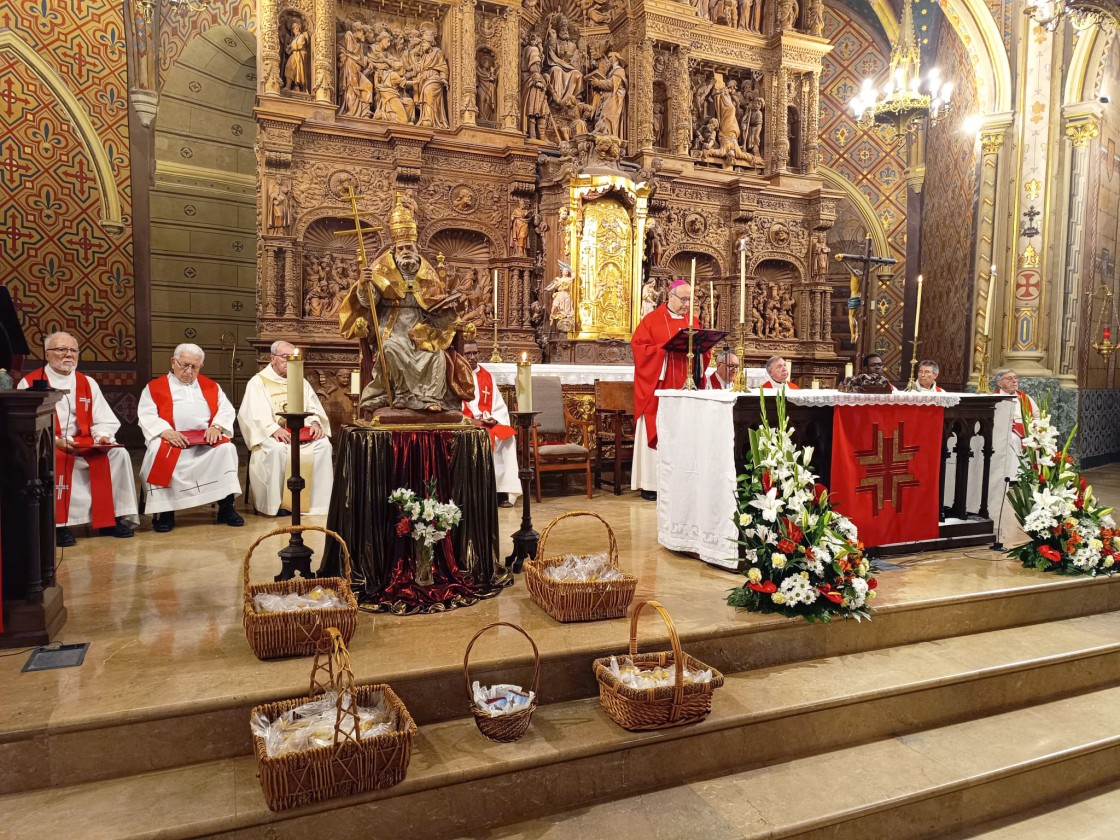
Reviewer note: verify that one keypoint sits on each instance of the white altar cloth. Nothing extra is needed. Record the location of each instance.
(505, 373)
(696, 453)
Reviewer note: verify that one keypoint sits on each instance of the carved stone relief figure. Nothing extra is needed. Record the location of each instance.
(788, 11)
(793, 135)
(609, 103)
(746, 14)
(597, 11)
(280, 207)
(814, 17)
(772, 312)
(650, 297)
(534, 107)
(564, 63)
(355, 91)
(296, 48)
(660, 109)
(333, 389)
(754, 125)
(430, 80)
(519, 230)
(562, 315)
(820, 257)
(486, 74)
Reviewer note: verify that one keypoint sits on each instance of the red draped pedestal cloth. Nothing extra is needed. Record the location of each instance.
(371, 464)
(886, 462)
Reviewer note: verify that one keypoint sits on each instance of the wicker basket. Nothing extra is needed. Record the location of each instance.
(275, 635)
(503, 728)
(656, 708)
(353, 764)
(571, 600)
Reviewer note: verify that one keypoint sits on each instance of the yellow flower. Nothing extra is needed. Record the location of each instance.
(754, 575)
(871, 595)
(778, 598)
(777, 560)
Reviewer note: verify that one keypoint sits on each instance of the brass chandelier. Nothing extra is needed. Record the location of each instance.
(1083, 14)
(907, 98)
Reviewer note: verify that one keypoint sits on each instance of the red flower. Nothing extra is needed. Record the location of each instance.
(872, 583)
(404, 525)
(767, 586)
(818, 492)
(766, 482)
(792, 531)
(833, 596)
(824, 587)
(787, 546)
(1050, 554)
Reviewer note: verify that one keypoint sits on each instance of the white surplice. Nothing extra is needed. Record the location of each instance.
(265, 394)
(203, 474)
(105, 425)
(505, 451)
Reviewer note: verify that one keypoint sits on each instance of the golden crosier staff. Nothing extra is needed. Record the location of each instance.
(363, 261)
(912, 385)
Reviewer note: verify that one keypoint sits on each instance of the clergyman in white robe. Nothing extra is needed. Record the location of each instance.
(105, 425)
(505, 451)
(265, 395)
(203, 474)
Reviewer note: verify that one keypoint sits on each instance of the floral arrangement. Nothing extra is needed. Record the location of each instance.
(425, 520)
(1070, 533)
(804, 558)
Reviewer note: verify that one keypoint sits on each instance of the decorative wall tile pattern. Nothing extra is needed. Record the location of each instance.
(873, 164)
(177, 28)
(63, 269)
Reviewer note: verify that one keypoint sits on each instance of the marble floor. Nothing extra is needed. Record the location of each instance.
(163, 612)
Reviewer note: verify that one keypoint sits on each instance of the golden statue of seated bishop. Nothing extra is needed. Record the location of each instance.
(407, 323)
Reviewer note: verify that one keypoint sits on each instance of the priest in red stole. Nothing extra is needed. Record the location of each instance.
(723, 377)
(91, 485)
(656, 369)
(778, 371)
(187, 423)
(489, 409)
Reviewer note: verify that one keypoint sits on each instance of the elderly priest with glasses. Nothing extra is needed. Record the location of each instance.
(266, 395)
(92, 475)
(187, 423)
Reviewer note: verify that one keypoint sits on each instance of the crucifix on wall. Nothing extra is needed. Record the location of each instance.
(859, 266)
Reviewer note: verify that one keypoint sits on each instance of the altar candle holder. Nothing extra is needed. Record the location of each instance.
(525, 540)
(495, 355)
(740, 382)
(690, 382)
(296, 556)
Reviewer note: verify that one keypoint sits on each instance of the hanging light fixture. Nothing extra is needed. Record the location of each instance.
(148, 7)
(907, 98)
(1083, 14)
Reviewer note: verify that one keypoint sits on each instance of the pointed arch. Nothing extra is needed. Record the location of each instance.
(866, 212)
(111, 217)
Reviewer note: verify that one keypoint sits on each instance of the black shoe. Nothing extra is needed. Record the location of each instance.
(121, 531)
(63, 538)
(283, 512)
(227, 514)
(163, 522)
(649, 495)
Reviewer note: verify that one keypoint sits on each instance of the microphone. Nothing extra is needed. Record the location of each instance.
(998, 544)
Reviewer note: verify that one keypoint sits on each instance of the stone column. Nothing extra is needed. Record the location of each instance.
(681, 106)
(509, 75)
(270, 47)
(465, 82)
(779, 119)
(323, 52)
(811, 124)
(1081, 126)
(641, 95)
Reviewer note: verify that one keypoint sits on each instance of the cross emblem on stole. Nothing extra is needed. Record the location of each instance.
(485, 393)
(85, 400)
(886, 468)
(60, 490)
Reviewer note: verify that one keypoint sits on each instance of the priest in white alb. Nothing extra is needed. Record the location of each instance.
(266, 395)
(93, 483)
(489, 408)
(187, 423)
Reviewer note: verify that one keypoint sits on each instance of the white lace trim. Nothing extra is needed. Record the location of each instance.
(821, 398)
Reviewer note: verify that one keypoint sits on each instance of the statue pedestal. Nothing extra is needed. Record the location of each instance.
(371, 464)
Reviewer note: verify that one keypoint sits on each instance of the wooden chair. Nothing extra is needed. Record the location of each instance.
(614, 430)
(554, 421)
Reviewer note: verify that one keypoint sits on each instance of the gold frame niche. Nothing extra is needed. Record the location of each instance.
(585, 191)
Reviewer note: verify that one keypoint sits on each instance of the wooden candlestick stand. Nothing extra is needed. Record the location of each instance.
(296, 556)
(524, 541)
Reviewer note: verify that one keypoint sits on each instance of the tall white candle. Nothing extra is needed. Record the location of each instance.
(918, 314)
(742, 282)
(355, 381)
(711, 305)
(691, 292)
(495, 285)
(295, 382)
(988, 302)
(524, 384)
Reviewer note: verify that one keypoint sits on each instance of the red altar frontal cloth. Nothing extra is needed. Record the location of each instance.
(886, 464)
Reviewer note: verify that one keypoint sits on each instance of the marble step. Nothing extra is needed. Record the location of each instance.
(938, 783)
(886, 701)
(170, 718)
(1094, 815)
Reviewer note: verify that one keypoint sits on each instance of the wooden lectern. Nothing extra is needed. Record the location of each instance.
(32, 600)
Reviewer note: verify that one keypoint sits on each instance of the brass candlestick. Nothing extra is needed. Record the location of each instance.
(982, 384)
(912, 385)
(690, 382)
(495, 356)
(740, 382)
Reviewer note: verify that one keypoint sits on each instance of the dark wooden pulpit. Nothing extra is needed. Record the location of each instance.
(32, 599)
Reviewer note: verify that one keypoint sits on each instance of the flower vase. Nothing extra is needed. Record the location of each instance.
(424, 576)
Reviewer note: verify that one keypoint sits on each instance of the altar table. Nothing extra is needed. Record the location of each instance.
(703, 445)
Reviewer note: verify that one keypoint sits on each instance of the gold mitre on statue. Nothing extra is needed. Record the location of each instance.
(402, 224)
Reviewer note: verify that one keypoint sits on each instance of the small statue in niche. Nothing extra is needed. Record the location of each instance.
(659, 123)
(519, 229)
(820, 257)
(535, 106)
(754, 127)
(745, 18)
(487, 87)
(297, 48)
(814, 14)
(650, 297)
(562, 314)
(280, 207)
(787, 14)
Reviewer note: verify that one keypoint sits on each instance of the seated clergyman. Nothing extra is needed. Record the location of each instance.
(778, 371)
(927, 375)
(176, 474)
(269, 442)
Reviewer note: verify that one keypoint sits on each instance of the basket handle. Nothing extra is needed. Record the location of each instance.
(519, 629)
(294, 529)
(674, 641)
(612, 543)
(332, 659)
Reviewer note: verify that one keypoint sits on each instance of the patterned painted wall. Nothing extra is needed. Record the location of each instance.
(874, 165)
(178, 28)
(64, 268)
(947, 222)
